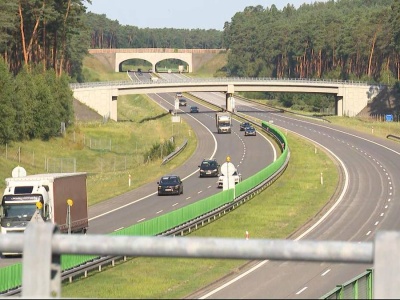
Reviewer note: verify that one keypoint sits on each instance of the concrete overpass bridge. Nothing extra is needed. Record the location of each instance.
(115, 57)
(350, 96)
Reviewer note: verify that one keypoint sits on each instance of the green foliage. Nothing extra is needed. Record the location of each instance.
(34, 104)
(108, 33)
(159, 150)
(337, 40)
(7, 110)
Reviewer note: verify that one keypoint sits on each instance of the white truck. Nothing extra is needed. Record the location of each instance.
(62, 197)
(223, 122)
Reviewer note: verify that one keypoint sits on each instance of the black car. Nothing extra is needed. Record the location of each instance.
(244, 125)
(170, 184)
(209, 168)
(250, 131)
(194, 109)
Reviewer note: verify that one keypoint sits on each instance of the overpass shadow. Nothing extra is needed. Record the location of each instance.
(147, 119)
(201, 111)
(273, 111)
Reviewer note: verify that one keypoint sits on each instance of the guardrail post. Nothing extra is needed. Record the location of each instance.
(386, 265)
(41, 269)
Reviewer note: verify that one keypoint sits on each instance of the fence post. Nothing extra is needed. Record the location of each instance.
(386, 265)
(41, 268)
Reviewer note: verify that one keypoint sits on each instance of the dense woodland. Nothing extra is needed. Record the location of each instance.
(48, 39)
(345, 39)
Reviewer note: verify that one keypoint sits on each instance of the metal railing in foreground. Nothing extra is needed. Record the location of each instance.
(359, 287)
(42, 246)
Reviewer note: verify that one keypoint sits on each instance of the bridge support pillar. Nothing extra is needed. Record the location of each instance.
(339, 106)
(229, 100)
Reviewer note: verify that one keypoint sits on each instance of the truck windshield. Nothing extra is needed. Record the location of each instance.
(19, 211)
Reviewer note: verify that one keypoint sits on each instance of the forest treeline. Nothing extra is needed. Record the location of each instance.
(343, 39)
(34, 104)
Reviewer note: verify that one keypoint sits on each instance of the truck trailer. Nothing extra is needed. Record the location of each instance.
(60, 198)
(223, 122)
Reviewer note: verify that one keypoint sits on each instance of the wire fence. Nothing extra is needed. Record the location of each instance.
(107, 156)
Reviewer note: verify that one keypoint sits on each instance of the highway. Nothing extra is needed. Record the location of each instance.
(365, 205)
(362, 206)
(143, 203)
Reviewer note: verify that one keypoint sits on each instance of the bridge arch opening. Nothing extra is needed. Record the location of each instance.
(172, 65)
(135, 64)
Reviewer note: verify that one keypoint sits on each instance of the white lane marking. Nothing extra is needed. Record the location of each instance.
(233, 280)
(159, 212)
(302, 290)
(140, 220)
(326, 272)
(346, 184)
(145, 197)
(119, 228)
(175, 204)
(369, 232)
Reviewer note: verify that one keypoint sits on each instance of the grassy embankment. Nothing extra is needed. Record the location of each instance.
(276, 213)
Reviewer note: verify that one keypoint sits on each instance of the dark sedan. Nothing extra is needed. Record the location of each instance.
(250, 131)
(194, 109)
(170, 184)
(244, 125)
(209, 168)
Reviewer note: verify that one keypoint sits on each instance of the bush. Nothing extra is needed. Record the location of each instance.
(160, 150)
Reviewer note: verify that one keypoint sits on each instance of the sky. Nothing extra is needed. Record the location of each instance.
(180, 14)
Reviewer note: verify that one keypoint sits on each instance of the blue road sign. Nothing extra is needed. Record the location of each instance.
(389, 118)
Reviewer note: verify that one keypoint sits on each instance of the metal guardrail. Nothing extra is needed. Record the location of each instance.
(175, 153)
(360, 287)
(43, 245)
(393, 136)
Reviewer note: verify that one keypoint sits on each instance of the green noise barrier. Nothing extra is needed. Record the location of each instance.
(11, 276)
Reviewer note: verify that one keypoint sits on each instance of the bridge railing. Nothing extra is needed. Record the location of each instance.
(154, 50)
(221, 79)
